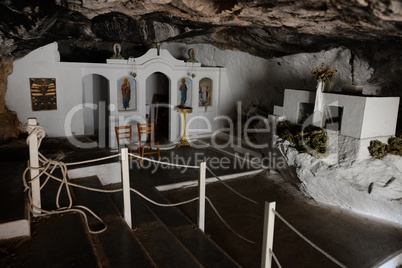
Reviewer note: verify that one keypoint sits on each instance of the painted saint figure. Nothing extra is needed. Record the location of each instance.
(205, 92)
(126, 93)
(183, 92)
(204, 95)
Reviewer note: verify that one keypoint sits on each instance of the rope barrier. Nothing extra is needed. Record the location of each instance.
(162, 163)
(275, 259)
(308, 241)
(93, 160)
(35, 130)
(227, 225)
(52, 165)
(233, 190)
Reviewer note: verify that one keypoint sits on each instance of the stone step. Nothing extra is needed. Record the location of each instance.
(15, 216)
(203, 248)
(58, 240)
(163, 247)
(117, 246)
(207, 253)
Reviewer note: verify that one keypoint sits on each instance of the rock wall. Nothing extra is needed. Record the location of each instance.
(258, 82)
(9, 124)
(255, 82)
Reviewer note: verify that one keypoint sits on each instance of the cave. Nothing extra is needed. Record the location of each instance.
(247, 67)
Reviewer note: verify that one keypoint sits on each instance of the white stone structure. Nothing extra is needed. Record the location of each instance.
(348, 177)
(87, 93)
(359, 118)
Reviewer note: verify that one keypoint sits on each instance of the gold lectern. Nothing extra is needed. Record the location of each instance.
(184, 111)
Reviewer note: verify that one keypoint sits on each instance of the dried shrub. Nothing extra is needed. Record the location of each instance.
(311, 139)
(378, 149)
(395, 146)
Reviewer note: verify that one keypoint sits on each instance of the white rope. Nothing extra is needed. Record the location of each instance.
(162, 163)
(92, 160)
(308, 241)
(164, 205)
(60, 210)
(233, 190)
(35, 130)
(227, 225)
(52, 165)
(275, 259)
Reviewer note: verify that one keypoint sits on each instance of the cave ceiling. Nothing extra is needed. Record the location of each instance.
(86, 29)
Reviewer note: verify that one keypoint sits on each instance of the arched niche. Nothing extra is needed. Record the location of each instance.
(205, 92)
(95, 99)
(157, 103)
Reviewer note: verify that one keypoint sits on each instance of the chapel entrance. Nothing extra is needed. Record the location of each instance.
(157, 104)
(95, 100)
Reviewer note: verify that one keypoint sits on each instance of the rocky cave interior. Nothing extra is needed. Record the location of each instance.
(361, 38)
(272, 30)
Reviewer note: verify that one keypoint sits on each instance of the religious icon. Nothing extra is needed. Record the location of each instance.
(205, 92)
(43, 94)
(184, 86)
(126, 95)
(117, 51)
(191, 55)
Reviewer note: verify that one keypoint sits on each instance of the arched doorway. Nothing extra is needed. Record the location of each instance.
(95, 114)
(157, 104)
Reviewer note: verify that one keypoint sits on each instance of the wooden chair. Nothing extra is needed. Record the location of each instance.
(147, 146)
(124, 136)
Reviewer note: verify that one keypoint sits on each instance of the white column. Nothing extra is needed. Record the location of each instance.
(268, 235)
(34, 163)
(318, 105)
(201, 201)
(102, 124)
(125, 177)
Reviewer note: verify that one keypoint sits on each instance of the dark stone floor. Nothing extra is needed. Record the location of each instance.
(354, 240)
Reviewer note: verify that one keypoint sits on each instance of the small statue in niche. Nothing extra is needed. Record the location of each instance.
(191, 55)
(117, 51)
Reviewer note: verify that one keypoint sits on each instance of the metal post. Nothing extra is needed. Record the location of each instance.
(34, 163)
(125, 177)
(268, 235)
(201, 201)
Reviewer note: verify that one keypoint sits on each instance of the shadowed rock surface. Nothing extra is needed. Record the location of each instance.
(86, 30)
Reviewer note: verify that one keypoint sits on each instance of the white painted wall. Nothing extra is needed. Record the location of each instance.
(245, 78)
(353, 112)
(380, 117)
(44, 63)
(88, 96)
(72, 90)
(292, 100)
(363, 116)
